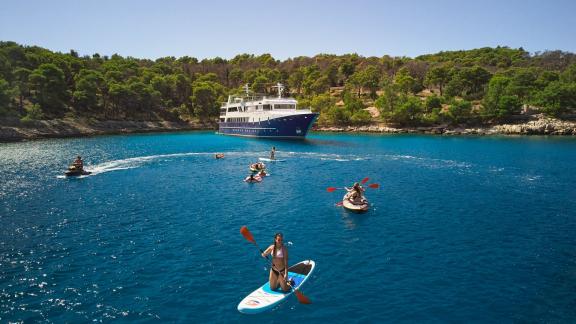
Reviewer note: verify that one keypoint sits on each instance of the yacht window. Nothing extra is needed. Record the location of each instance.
(284, 106)
(267, 107)
(232, 109)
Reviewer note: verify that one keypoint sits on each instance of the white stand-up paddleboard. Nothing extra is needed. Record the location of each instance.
(264, 298)
(270, 160)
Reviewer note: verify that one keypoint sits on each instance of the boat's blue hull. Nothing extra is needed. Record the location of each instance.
(295, 126)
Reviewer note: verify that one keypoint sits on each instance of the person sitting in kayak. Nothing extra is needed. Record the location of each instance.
(279, 267)
(262, 173)
(78, 164)
(356, 194)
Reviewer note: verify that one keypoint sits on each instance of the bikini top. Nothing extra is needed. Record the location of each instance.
(279, 253)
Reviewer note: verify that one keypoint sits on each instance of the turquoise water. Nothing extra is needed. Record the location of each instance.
(462, 228)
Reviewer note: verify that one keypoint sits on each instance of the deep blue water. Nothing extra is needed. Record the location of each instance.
(462, 229)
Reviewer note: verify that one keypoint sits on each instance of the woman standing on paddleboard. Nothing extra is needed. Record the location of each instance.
(279, 266)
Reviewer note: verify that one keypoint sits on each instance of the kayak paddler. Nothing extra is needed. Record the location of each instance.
(356, 194)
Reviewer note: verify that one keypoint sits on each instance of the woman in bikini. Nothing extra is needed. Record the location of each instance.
(279, 267)
(356, 194)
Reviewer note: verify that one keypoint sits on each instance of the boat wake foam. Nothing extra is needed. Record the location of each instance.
(136, 162)
(328, 156)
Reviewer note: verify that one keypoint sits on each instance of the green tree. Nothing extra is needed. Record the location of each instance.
(4, 96)
(459, 111)
(182, 89)
(204, 100)
(352, 103)
(370, 79)
(545, 78)
(469, 82)
(210, 77)
(33, 112)
(523, 83)
(322, 102)
(320, 85)
(235, 77)
(389, 99)
(406, 83)
(557, 98)
(296, 79)
(455, 85)
(22, 86)
(361, 117)
(5, 67)
(433, 102)
(569, 75)
(336, 115)
(260, 84)
(498, 103)
(145, 100)
(438, 76)
(166, 86)
(50, 88)
(355, 83)
(408, 112)
(346, 69)
(119, 97)
(332, 74)
(88, 93)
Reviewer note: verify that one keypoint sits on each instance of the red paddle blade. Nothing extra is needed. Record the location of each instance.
(365, 180)
(247, 235)
(301, 298)
(331, 189)
(339, 203)
(374, 185)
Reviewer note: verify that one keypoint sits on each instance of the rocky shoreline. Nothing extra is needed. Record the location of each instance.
(539, 126)
(14, 130)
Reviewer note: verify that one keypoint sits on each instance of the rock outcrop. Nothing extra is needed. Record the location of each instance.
(542, 125)
(14, 130)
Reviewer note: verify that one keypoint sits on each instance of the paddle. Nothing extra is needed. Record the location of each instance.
(372, 185)
(365, 180)
(248, 236)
